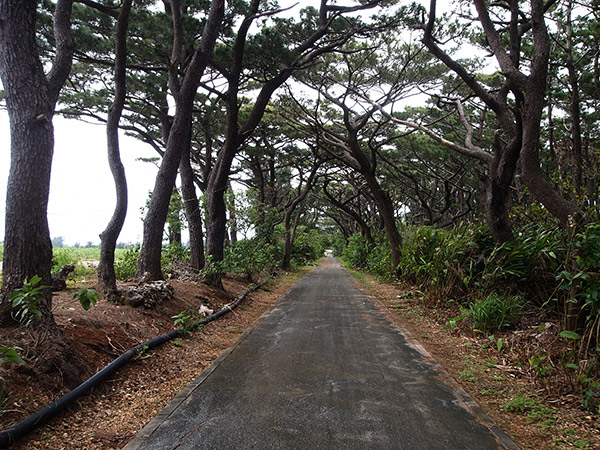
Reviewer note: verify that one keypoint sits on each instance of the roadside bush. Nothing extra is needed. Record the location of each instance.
(528, 263)
(251, 257)
(126, 267)
(494, 313)
(452, 260)
(356, 253)
(581, 280)
(379, 259)
(308, 246)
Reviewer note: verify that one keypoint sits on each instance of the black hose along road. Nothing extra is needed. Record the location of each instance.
(27, 425)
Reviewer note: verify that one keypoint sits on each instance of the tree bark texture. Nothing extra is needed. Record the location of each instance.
(192, 211)
(108, 238)
(382, 199)
(31, 96)
(30, 100)
(179, 138)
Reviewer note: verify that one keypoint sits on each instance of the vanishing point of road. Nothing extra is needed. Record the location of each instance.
(326, 368)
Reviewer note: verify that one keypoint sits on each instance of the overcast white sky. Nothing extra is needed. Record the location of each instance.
(82, 193)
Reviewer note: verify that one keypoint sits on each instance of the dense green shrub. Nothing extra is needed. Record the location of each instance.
(581, 281)
(356, 253)
(528, 263)
(251, 257)
(379, 259)
(308, 246)
(450, 259)
(495, 312)
(126, 267)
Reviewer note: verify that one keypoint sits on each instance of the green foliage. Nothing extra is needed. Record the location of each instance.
(338, 244)
(356, 253)
(26, 300)
(590, 391)
(75, 256)
(448, 259)
(583, 281)
(172, 253)
(87, 297)
(495, 312)
(10, 354)
(569, 334)
(185, 320)
(308, 245)
(529, 261)
(538, 365)
(251, 257)
(529, 407)
(126, 267)
(379, 260)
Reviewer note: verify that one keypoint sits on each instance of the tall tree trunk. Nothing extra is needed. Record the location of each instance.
(108, 238)
(233, 229)
(531, 116)
(218, 180)
(290, 237)
(386, 210)
(179, 136)
(30, 99)
(192, 211)
(575, 112)
(380, 196)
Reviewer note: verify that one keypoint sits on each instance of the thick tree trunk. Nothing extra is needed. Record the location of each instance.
(216, 230)
(27, 245)
(108, 238)
(386, 210)
(533, 176)
(154, 223)
(30, 101)
(502, 173)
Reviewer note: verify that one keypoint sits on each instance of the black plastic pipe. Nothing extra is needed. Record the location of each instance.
(27, 425)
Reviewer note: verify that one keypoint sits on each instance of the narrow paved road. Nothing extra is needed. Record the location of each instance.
(325, 369)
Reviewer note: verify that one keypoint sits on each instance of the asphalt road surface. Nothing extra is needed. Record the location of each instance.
(326, 368)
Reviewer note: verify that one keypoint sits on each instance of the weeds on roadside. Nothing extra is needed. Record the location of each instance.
(25, 300)
(495, 312)
(185, 320)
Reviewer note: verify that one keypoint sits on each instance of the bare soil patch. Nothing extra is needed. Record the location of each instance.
(111, 415)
